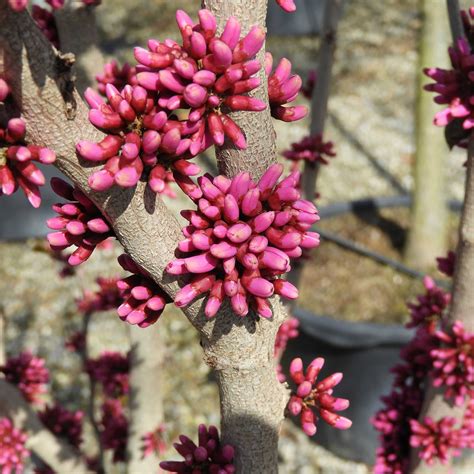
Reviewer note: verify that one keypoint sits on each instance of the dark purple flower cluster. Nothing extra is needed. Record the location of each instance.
(111, 370)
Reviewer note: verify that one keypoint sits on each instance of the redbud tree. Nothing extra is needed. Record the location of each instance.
(121, 146)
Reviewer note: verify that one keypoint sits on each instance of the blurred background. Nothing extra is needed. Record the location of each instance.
(352, 307)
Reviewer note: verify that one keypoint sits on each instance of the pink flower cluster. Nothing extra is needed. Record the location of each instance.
(311, 149)
(17, 167)
(114, 429)
(63, 423)
(446, 264)
(240, 240)
(283, 88)
(446, 355)
(154, 443)
(143, 300)
(118, 76)
(140, 141)
(105, 298)
(312, 395)
(453, 363)
(429, 307)
(79, 223)
(147, 133)
(28, 373)
(12, 448)
(204, 74)
(287, 5)
(111, 370)
(207, 457)
(454, 87)
(436, 440)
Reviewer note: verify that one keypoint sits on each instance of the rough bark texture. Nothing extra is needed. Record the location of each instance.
(257, 126)
(57, 454)
(319, 107)
(462, 308)
(241, 350)
(238, 349)
(77, 31)
(428, 234)
(146, 397)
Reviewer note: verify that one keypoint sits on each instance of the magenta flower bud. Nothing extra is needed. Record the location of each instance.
(223, 250)
(16, 128)
(195, 95)
(232, 130)
(101, 180)
(239, 233)
(198, 46)
(216, 128)
(231, 33)
(329, 382)
(100, 120)
(286, 289)
(127, 177)
(243, 102)
(98, 225)
(296, 370)
(310, 240)
(295, 405)
(304, 389)
(204, 78)
(275, 259)
(239, 305)
(176, 267)
(249, 45)
(222, 53)
(207, 22)
(335, 420)
(202, 263)
(290, 114)
(259, 287)
(94, 99)
(231, 208)
(263, 221)
(149, 80)
(151, 141)
(287, 5)
(152, 60)
(307, 422)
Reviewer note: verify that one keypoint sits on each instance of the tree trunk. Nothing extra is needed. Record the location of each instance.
(462, 307)
(146, 396)
(428, 234)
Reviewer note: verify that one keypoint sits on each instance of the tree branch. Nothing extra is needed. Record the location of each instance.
(58, 455)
